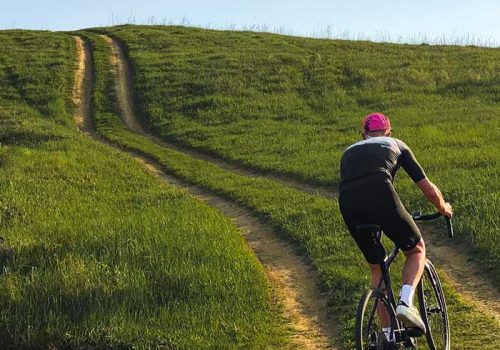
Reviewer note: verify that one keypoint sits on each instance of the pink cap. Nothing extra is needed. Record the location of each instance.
(376, 121)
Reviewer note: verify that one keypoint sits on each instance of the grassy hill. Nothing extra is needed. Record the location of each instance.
(106, 256)
(313, 223)
(291, 105)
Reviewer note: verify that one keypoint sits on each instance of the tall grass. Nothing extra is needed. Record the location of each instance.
(326, 32)
(313, 223)
(106, 256)
(291, 105)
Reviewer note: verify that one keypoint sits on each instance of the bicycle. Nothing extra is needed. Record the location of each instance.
(432, 305)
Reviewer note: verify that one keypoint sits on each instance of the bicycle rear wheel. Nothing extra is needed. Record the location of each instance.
(433, 309)
(369, 333)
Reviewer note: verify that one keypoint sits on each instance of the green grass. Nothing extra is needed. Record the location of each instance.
(313, 223)
(107, 256)
(291, 105)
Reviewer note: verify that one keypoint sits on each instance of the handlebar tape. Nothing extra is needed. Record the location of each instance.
(449, 225)
(427, 217)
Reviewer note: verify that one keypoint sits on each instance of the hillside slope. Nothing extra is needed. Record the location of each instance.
(291, 105)
(311, 222)
(105, 255)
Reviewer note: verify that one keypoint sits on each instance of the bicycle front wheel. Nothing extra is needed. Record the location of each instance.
(374, 313)
(433, 309)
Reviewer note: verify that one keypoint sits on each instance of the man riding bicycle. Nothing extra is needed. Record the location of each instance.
(367, 196)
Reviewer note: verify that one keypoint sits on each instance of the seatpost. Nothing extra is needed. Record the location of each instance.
(384, 268)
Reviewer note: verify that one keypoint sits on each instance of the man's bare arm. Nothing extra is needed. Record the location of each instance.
(434, 195)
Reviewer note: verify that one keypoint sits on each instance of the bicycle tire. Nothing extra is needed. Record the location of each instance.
(368, 325)
(432, 306)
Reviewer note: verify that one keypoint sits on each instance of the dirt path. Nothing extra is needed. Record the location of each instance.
(291, 277)
(82, 97)
(463, 274)
(128, 115)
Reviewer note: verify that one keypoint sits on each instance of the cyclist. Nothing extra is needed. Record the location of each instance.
(367, 196)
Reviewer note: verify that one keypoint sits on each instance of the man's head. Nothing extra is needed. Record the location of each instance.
(375, 124)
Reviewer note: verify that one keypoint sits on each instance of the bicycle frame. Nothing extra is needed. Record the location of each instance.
(402, 335)
(386, 276)
(386, 279)
(385, 265)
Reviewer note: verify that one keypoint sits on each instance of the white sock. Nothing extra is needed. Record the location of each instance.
(388, 333)
(406, 294)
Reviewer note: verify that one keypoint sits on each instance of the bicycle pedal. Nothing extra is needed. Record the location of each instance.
(414, 332)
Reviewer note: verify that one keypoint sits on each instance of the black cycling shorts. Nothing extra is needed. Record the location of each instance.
(385, 210)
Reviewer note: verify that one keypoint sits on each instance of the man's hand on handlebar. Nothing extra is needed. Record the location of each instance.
(418, 216)
(447, 210)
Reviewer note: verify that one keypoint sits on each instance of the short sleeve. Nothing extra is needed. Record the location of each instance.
(409, 163)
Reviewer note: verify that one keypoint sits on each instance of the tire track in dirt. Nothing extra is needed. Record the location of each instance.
(463, 274)
(453, 261)
(84, 80)
(129, 117)
(292, 278)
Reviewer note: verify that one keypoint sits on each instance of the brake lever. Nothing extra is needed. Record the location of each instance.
(449, 226)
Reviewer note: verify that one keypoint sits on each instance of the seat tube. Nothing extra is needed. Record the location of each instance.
(386, 276)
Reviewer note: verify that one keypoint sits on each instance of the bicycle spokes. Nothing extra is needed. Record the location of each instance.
(374, 313)
(433, 310)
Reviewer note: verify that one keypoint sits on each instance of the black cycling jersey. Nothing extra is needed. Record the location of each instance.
(367, 196)
(376, 156)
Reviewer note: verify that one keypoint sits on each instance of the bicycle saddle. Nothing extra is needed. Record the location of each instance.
(368, 228)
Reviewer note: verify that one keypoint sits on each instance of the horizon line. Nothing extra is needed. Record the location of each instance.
(327, 32)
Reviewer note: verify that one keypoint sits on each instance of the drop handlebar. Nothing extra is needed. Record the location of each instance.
(418, 216)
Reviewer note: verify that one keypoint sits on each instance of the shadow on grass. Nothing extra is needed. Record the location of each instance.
(472, 88)
(25, 138)
(27, 323)
(9, 341)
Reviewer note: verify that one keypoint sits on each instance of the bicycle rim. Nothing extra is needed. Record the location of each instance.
(433, 309)
(368, 323)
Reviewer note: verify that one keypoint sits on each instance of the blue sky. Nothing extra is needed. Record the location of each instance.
(352, 18)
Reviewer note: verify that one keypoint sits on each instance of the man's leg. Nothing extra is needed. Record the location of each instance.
(414, 264)
(412, 272)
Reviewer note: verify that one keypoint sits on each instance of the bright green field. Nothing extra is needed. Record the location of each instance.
(107, 256)
(291, 105)
(312, 223)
